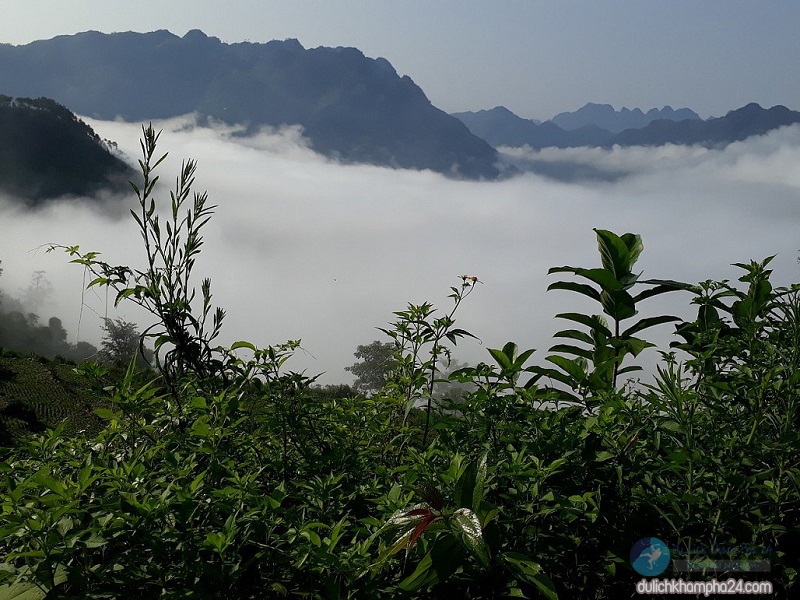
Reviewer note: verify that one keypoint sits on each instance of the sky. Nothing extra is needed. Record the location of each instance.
(536, 57)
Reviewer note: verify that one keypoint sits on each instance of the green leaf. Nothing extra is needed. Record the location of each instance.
(105, 413)
(569, 349)
(466, 522)
(531, 572)
(501, 359)
(619, 304)
(436, 566)
(574, 368)
(243, 344)
(575, 335)
(93, 541)
(469, 488)
(603, 277)
(662, 288)
(648, 322)
(21, 591)
(615, 255)
(594, 322)
(580, 288)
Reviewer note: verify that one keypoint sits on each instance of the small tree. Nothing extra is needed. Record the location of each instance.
(372, 371)
(120, 342)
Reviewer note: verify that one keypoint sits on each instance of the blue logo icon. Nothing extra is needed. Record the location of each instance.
(650, 557)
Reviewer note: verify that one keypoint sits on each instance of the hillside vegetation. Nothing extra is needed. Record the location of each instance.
(226, 476)
(36, 394)
(47, 152)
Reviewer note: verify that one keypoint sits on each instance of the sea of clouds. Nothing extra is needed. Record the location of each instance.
(302, 247)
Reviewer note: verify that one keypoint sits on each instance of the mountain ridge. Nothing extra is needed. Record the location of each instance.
(615, 121)
(47, 152)
(351, 107)
(501, 127)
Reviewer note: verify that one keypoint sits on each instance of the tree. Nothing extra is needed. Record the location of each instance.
(121, 342)
(372, 372)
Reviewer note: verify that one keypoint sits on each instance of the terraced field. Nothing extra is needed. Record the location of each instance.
(38, 393)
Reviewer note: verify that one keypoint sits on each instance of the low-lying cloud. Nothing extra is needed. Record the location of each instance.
(304, 248)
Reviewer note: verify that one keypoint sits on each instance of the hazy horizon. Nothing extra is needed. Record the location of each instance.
(304, 248)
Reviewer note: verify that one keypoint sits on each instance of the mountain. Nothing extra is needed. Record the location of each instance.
(351, 107)
(47, 152)
(501, 127)
(605, 117)
(735, 126)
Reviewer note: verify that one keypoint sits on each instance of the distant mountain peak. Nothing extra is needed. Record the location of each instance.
(615, 121)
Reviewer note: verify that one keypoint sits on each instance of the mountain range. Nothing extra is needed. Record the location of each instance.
(501, 127)
(351, 107)
(614, 121)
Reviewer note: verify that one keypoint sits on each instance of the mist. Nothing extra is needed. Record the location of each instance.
(302, 247)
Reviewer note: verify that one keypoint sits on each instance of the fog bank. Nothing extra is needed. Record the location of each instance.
(304, 248)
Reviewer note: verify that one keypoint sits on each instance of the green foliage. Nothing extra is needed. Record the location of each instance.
(122, 343)
(36, 393)
(164, 288)
(420, 343)
(232, 477)
(47, 153)
(22, 332)
(374, 367)
(595, 368)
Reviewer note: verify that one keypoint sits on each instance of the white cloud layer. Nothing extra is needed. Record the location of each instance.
(302, 247)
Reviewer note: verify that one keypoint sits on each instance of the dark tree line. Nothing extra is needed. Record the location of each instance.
(21, 330)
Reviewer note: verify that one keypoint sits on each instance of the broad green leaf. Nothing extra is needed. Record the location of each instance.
(436, 566)
(93, 541)
(605, 278)
(662, 287)
(21, 591)
(104, 413)
(594, 322)
(532, 572)
(569, 349)
(580, 288)
(574, 368)
(603, 456)
(648, 322)
(575, 335)
(511, 350)
(618, 304)
(501, 359)
(522, 358)
(469, 526)
(615, 254)
(243, 344)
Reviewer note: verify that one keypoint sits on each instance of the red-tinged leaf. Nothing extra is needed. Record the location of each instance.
(420, 529)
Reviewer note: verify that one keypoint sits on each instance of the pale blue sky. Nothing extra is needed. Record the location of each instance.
(535, 57)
